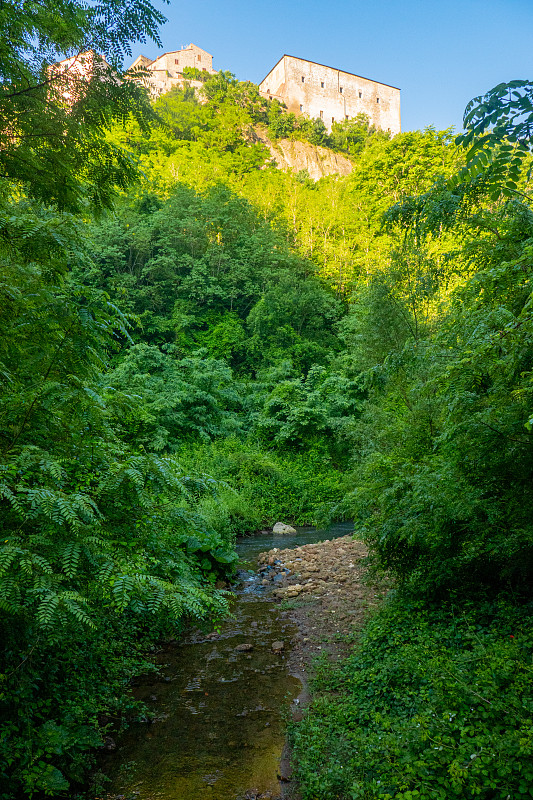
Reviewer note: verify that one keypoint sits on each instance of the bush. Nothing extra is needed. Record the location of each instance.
(264, 487)
(436, 703)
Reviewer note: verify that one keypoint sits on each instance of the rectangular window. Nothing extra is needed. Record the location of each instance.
(377, 99)
(199, 57)
(303, 79)
(176, 61)
(321, 115)
(340, 89)
(322, 84)
(360, 95)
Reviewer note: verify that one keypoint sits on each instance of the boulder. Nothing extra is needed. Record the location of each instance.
(281, 527)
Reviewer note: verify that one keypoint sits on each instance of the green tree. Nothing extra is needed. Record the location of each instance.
(54, 123)
(499, 135)
(352, 135)
(99, 539)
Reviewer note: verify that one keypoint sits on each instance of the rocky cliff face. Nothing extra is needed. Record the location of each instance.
(289, 154)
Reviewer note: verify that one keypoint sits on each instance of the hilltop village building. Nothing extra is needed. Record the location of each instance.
(331, 94)
(166, 71)
(68, 78)
(305, 87)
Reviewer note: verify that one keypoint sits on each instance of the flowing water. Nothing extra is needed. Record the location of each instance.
(218, 733)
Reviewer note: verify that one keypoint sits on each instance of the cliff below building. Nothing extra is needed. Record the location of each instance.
(294, 155)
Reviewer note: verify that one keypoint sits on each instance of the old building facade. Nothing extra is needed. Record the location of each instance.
(166, 71)
(331, 94)
(68, 78)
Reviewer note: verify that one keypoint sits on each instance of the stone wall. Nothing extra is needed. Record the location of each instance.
(166, 71)
(332, 94)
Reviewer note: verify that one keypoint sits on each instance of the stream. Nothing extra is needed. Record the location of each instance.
(221, 702)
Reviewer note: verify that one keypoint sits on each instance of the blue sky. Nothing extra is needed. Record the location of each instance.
(440, 54)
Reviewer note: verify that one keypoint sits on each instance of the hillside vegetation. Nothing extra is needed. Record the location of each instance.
(194, 344)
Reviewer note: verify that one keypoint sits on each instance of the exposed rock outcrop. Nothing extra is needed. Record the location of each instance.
(291, 154)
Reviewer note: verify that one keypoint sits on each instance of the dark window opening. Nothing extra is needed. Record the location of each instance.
(303, 79)
(340, 89)
(322, 84)
(360, 94)
(176, 61)
(377, 99)
(333, 119)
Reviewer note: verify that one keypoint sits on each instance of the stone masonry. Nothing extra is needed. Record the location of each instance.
(166, 71)
(331, 94)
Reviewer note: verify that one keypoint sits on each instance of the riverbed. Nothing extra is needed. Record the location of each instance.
(221, 700)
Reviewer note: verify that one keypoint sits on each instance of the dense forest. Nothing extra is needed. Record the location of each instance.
(195, 344)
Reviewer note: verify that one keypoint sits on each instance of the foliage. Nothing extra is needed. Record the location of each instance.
(354, 135)
(442, 491)
(498, 133)
(195, 74)
(94, 535)
(265, 486)
(230, 345)
(303, 412)
(436, 700)
(434, 703)
(158, 400)
(204, 270)
(54, 122)
(283, 125)
(337, 223)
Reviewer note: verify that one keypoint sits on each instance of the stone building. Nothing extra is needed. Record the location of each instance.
(331, 94)
(166, 71)
(68, 78)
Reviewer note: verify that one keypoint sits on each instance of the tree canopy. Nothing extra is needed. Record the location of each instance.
(54, 123)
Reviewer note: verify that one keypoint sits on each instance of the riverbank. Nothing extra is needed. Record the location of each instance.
(324, 587)
(431, 700)
(324, 590)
